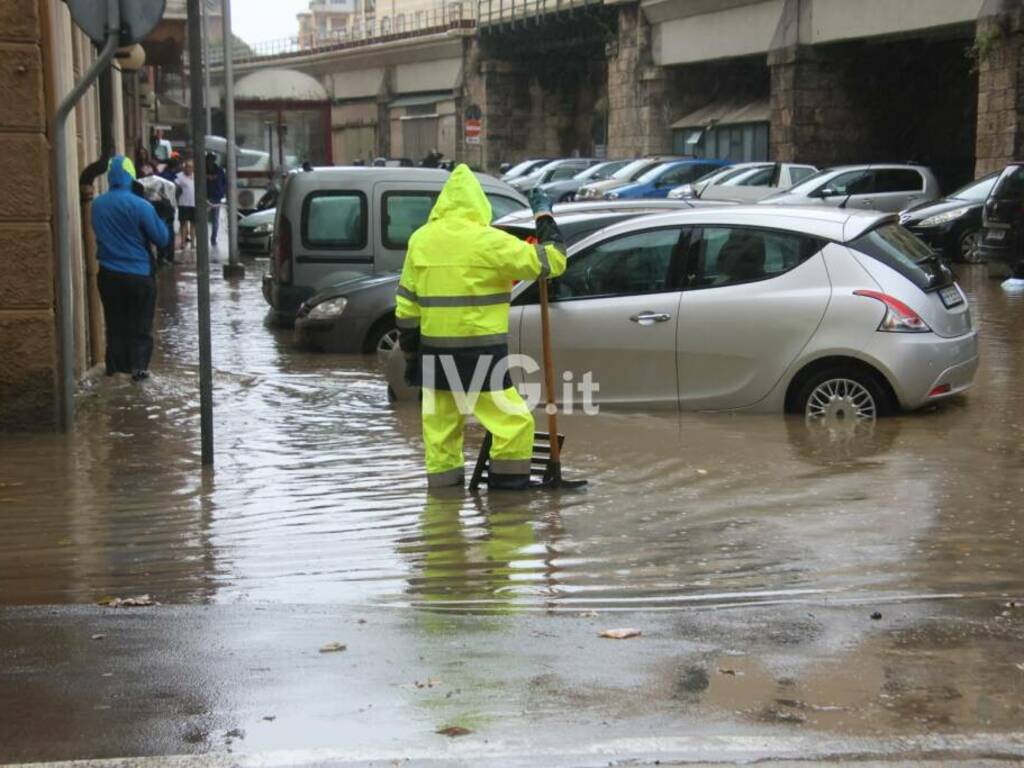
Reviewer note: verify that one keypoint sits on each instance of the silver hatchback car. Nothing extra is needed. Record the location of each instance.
(834, 314)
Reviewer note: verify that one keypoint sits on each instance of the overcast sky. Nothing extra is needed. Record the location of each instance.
(257, 20)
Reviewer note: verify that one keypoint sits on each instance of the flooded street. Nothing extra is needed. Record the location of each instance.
(749, 550)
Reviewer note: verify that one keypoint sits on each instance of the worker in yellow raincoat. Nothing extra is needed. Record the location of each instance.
(452, 310)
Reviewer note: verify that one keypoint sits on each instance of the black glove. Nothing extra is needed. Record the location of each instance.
(539, 202)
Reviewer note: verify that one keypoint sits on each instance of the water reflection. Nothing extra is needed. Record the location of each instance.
(318, 495)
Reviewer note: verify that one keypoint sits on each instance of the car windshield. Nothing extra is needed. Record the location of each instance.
(522, 167)
(1010, 185)
(897, 248)
(654, 173)
(635, 169)
(599, 171)
(812, 182)
(742, 176)
(976, 191)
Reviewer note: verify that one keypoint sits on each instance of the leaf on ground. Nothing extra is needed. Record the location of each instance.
(1020, 666)
(588, 615)
(620, 634)
(453, 731)
(98, 637)
(702, 471)
(333, 647)
(139, 601)
(728, 671)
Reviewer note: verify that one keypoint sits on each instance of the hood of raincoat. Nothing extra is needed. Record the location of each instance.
(121, 173)
(462, 198)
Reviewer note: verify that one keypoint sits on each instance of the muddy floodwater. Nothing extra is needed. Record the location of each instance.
(318, 499)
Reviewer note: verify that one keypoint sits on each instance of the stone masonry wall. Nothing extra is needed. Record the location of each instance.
(637, 117)
(27, 330)
(1000, 133)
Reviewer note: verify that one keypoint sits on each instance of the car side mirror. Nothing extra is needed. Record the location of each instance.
(827, 192)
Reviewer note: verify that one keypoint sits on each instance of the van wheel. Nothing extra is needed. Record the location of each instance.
(843, 395)
(382, 338)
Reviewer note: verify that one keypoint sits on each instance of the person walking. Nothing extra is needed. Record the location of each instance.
(163, 195)
(186, 184)
(216, 187)
(125, 226)
(452, 308)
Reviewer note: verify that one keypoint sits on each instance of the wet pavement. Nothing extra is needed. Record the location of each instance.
(750, 551)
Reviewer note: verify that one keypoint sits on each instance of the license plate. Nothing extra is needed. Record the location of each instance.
(996, 234)
(950, 296)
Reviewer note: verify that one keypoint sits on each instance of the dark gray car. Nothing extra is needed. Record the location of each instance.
(357, 316)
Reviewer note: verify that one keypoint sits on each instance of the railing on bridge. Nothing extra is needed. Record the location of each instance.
(491, 12)
(457, 14)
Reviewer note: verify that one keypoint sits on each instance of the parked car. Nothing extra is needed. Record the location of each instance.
(564, 190)
(334, 224)
(952, 225)
(524, 168)
(717, 176)
(757, 183)
(626, 175)
(836, 315)
(658, 181)
(255, 232)
(556, 170)
(872, 187)
(1003, 220)
(358, 315)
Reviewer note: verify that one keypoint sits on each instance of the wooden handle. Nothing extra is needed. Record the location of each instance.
(549, 373)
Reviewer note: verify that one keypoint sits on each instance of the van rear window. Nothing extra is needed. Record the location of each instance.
(897, 248)
(334, 220)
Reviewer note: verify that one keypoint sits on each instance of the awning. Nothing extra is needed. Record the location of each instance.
(421, 99)
(726, 113)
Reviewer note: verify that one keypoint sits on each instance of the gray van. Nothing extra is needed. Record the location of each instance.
(335, 224)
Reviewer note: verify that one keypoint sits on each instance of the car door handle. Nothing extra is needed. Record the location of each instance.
(650, 318)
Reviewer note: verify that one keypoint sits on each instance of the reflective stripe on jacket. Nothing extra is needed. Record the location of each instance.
(459, 271)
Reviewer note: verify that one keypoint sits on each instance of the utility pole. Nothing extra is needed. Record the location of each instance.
(197, 117)
(234, 267)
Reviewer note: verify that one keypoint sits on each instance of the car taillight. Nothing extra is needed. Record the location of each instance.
(283, 252)
(899, 318)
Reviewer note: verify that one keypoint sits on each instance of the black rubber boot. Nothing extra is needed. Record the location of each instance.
(496, 482)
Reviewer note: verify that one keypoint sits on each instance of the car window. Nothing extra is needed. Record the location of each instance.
(897, 248)
(404, 213)
(502, 206)
(759, 178)
(334, 220)
(857, 182)
(800, 172)
(721, 256)
(564, 172)
(625, 266)
(683, 174)
(898, 180)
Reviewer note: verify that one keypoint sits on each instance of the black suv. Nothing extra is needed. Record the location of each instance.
(1004, 220)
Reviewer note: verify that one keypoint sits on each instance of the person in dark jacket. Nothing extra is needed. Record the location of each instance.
(216, 187)
(125, 226)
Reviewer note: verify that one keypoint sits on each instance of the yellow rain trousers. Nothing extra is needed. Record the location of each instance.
(453, 301)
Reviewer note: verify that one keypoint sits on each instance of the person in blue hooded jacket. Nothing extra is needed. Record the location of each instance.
(125, 226)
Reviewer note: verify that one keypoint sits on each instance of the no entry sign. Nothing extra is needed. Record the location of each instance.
(472, 124)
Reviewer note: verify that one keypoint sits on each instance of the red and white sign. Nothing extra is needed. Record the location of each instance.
(473, 131)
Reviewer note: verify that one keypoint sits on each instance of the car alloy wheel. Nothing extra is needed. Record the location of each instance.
(970, 247)
(387, 342)
(840, 400)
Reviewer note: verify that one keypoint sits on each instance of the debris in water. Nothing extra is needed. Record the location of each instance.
(453, 731)
(702, 471)
(431, 683)
(140, 601)
(588, 615)
(1020, 666)
(98, 637)
(728, 671)
(333, 647)
(235, 733)
(876, 615)
(270, 718)
(620, 634)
